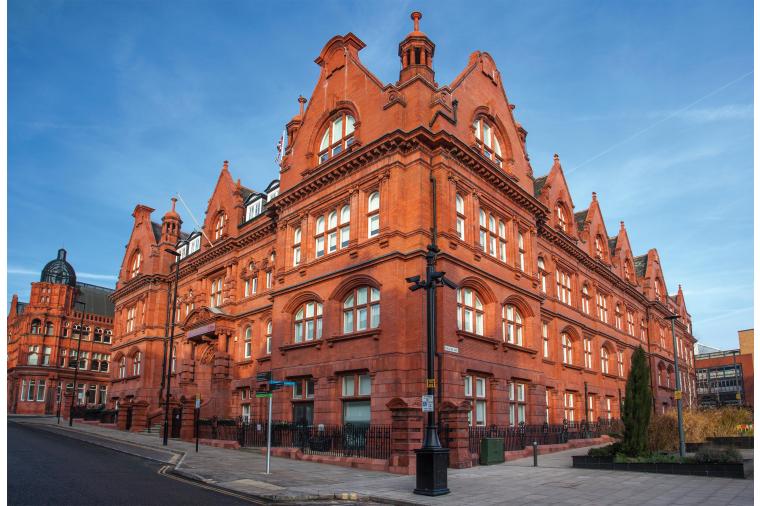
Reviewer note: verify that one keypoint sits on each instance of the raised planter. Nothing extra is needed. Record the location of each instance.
(721, 470)
(743, 442)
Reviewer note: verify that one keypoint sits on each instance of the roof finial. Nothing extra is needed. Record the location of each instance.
(416, 16)
(301, 102)
(174, 203)
(556, 157)
(593, 196)
(622, 224)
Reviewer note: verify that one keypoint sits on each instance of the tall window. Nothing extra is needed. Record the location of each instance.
(545, 338)
(627, 270)
(361, 309)
(621, 368)
(601, 307)
(585, 299)
(476, 394)
(657, 290)
(296, 250)
(502, 241)
(604, 356)
(516, 403)
(307, 324)
(542, 273)
(483, 230)
(136, 262)
(590, 408)
(337, 138)
(49, 328)
(36, 326)
(247, 341)
(269, 337)
(599, 247)
(608, 408)
(123, 367)
(512, 324)
(221, 220)
(373, 214)
(561, 218)
(174, 360)
(33, 358)
(662, 336)
(460, 216)
(46, 351)
(356, 390)
(345, 226)
(216, 293)
(331, 235)
(548, 406)
(567, 349)
(564, 287)
(618, 317)
(521, 250)
(588, 356)
(631, 325)
(40, 390)
(487, 141)
(570, 407)
(136, 364)
(470, 313)
(131, 319)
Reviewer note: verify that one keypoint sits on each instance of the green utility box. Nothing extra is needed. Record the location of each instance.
(491, 451)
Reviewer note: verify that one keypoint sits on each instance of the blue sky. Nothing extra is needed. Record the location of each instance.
(650, 104)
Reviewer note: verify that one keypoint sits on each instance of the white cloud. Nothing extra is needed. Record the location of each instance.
(21, 271)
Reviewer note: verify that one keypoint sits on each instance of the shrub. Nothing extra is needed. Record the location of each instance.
(719, 454)
(605, 451)
(699, 424)
(638, 405)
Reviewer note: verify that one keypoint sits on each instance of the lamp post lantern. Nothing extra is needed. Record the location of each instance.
(679, 402)
(168, 363)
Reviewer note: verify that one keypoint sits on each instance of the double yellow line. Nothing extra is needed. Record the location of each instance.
(166, 471)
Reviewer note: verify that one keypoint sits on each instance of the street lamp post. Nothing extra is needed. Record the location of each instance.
(679, 402)
(76, 371)
(168, 367)
(432, 459)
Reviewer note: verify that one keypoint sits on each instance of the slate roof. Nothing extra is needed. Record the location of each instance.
(580, 219)
(20, 306)
(246, 192)
(538, 185)
(640, 265)
(612, 243)
(97, 299)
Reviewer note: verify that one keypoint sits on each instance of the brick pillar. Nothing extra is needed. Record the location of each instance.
(537, 402)
(187, 432)
(454, 418)
(139, 416)
(121, 419)
(65, 406)
(406, 433)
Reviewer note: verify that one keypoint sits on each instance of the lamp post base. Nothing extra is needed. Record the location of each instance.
(432, 469)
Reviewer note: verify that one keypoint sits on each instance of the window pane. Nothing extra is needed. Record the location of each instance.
(468, 386)
(337, 129)
(480, 384)
(375, 316)
(348, 321)
(480, 412)
(365, 384)
(349, 125)
(310, 330)
(345, 236)
(348, 386)
(374, 225)
(361, 295)
(320, 224)
(345, 214)
(349, 302)
(361, 318)
(356, 412)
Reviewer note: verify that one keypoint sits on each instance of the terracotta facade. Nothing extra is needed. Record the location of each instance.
(43, 339)
(306, 279)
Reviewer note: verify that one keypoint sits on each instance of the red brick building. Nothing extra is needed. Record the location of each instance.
(43, 339)
(306, 278)
(727, 377)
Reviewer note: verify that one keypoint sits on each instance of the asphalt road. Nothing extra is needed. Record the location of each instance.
(47, 468)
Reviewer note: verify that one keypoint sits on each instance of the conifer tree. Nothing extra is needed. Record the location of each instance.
(638, 405)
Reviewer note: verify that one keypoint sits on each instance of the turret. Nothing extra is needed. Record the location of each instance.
(171, 224)
(416, 53)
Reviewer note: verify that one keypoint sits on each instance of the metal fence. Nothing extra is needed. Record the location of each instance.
(364, 441)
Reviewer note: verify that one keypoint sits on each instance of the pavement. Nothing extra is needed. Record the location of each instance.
(517, 482)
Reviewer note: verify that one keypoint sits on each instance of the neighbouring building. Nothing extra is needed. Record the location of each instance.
(306, 278)
(43, 337)
(726, 378)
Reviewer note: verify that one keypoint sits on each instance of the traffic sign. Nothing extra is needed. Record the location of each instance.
(427, 403)
(263, 395)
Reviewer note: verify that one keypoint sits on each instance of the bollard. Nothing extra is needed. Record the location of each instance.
(535, 454)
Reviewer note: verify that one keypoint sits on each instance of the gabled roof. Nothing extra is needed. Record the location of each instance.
(580, 219)
(97, 299)
(640, 265)
(538, 185)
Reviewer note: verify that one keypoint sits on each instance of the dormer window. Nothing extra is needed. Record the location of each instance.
(337, 138)
(195, 244)
(253, 209)
(561, 218)
(488, 143)
(272, 194)
(183, 251)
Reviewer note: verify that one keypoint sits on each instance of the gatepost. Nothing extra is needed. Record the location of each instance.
(406, 433)
(454, 418)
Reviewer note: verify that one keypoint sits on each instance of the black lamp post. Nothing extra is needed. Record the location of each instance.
(679, 394)
(168, 367)
(432, 459)
(76, 371)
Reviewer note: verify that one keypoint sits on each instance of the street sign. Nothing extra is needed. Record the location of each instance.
(427, 403)
(451, 349)
(263, 395)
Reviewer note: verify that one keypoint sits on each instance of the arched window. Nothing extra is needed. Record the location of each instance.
(361, 309)
(521, 250)
(585, 299)
(601, 306)
(123, 367)
(36, 326)
(561, 218)
(567, 348)
(604, 357)
(542, 273)
(269, 337)
(470, 313)
(487, 140)
(219, 226)
(337, 138)
(174, 360)
(657, 289)
(49, 328)
(512, 325)
(136, 364)
(136, 262)
(247, 341)
(297, 246)
(460, 216)
(327, 230)
(588, 355)
(373, 214)
(618, 317)
(599, 246)
(307, 324)
(621, 368)
(345, 225)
